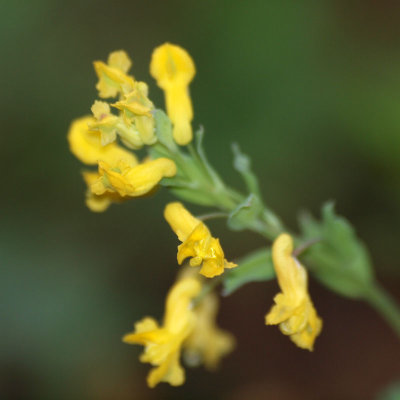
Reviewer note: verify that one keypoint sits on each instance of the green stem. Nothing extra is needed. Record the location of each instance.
(207, 288)
(205, 217)
(379, 299)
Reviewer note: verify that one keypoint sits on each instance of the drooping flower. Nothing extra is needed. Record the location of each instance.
(197, 241)
(163, 344)
(207, 343)
(174, 69)
(132, 180)
(112, 76)
(86, 145)
(293, 309)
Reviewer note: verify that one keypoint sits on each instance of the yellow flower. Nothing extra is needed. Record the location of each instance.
(112, 76)
(174, 69)
(163, 343)
(98, 203)
(137, 109)
(197, 241)
(207, 344)
(106, 123)
(294, 310)
(85, 144)
(132, 180)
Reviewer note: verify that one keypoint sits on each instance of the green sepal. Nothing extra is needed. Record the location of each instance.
(339, 259)
(246, 214)
(163, 129)
(191, 195)
(256, 267)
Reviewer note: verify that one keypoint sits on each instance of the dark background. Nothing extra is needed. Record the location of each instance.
(310, 89)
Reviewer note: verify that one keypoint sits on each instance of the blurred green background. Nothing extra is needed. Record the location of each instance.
(311, 90)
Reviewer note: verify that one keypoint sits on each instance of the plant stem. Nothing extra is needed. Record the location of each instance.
(205, 217)
(383, 302)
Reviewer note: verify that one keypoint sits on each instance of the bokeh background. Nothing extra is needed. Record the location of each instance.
(310, 89)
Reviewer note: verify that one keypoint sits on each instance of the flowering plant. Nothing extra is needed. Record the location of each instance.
(176, 160)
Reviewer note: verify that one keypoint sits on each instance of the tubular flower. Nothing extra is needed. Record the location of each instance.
(112, 76)
(197, 241)
(207, 344)
(86, 145)
(294, 310)
(163, 343)
(132, 180)
(174, 69)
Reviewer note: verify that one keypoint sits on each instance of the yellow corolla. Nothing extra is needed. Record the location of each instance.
(132, 180)
(174, 69)
(197, 241)
(112, 76)
(293, 309)
(163, 343)
(85, 144)
(207, 344)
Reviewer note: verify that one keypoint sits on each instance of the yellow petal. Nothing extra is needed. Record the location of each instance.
(86, 145)
(144, 177)
(178, 303)
(174, 69)
(98, 203)
(171, 65)
(292, 277)
(163, 344)
(132, 181)
(207, 344)
(180, 220)
(112, 77)
(119, 59)
(293, 309)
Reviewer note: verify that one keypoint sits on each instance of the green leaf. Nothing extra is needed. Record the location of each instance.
(242, 164)
(390, 393)
(255, 267)
(339, 260)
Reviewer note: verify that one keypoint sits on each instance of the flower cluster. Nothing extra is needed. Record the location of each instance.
(108, 139)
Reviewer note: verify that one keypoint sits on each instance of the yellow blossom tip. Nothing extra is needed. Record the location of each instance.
(112, 76)
(174, 69)
(119, 59)
(171, 65)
